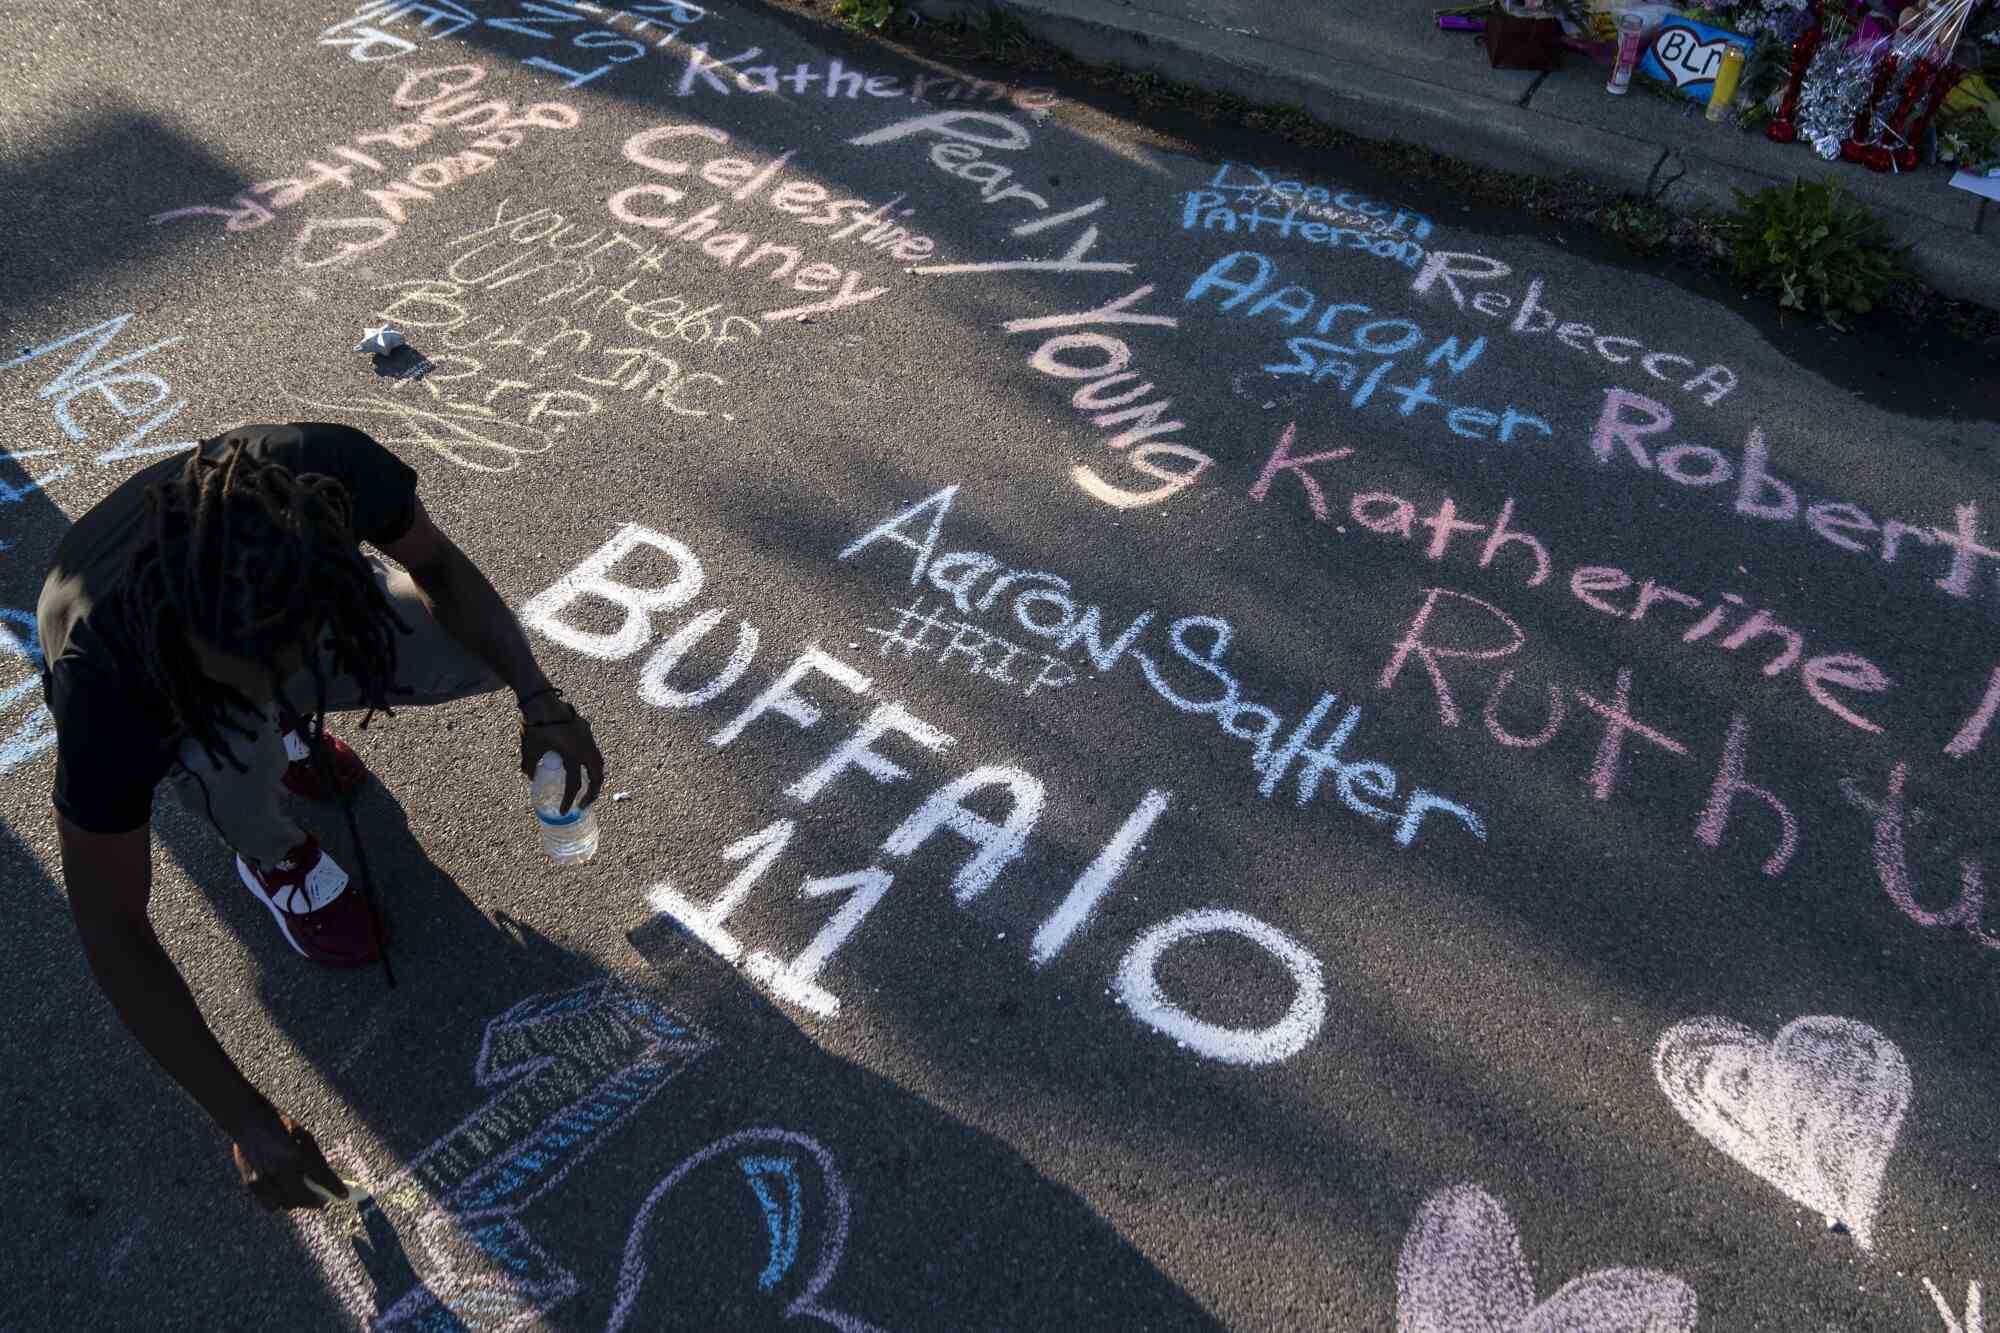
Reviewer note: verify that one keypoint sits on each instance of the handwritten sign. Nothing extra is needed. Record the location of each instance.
(1688, 55)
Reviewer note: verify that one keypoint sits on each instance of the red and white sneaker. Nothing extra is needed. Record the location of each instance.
(320, 915)
(302, 776)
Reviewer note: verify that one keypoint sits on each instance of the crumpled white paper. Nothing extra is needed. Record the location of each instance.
(380, 340)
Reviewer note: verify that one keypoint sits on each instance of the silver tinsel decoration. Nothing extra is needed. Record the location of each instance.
(1837, 83)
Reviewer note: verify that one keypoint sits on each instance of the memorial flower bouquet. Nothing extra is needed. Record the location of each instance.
(1776, 25)
(1970, 139)
(1779, 21)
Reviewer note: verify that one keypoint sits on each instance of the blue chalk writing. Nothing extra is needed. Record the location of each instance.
(1255, 186)
(38, 732)
(781, 1217)
(128, 393)
(1210, 210)
(619, 35)
(577, 1065)
(1245, 284)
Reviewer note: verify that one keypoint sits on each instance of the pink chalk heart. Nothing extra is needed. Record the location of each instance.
(1814, 1111)
(1462, 1271)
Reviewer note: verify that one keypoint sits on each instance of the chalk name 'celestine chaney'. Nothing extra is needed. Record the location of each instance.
(805, 202)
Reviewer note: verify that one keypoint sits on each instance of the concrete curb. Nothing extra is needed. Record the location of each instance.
(1960, 258)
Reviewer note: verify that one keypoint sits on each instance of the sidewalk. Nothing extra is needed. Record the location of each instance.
(1382, 69)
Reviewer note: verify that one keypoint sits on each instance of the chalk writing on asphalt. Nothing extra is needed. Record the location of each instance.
(1720, 622)
(926, 631)
(580, 42)
(1181, 662)
(1893, 816)
(545, 250)
(443, 97)
(1534, 315)
(84, 381)
(1978, 722)
(1631, 431)
(1236, 198)
(727, 76)
(567, 1071)
(1235, 278)
(1462, 1271)
(777, 195)
(21, 682)
(1253, 186)
(1454, 636)
(391, 29)
(803, 692)
(118, 384)
(1733, 789)
(1974, 1317)
(1100, 364)
(534, 378)
(1813, 1111)
(1444, 533)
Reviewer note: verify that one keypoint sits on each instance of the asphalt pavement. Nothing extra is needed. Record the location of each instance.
(1382, 69)
(1199, 738)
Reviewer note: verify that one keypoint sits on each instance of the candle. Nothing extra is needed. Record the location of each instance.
(1726, 79)
(1631, 30)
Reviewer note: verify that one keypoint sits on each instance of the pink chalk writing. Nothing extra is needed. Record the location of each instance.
(1452, 634)
(1892, 866)
(1281, 460)
(445, 98)
(1631, 426)
(1830, 680)
(1974, 731)
(1535, 317)
(1619, 723)
(1730, 784)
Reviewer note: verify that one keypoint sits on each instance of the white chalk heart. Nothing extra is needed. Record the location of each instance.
(1461, 1271)
(1814, 1111)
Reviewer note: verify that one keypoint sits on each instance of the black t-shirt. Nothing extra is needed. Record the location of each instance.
(115, 733)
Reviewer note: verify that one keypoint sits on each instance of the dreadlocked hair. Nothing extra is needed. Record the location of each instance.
(254, 558)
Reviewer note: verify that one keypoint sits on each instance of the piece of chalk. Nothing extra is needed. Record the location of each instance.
(353, 1191)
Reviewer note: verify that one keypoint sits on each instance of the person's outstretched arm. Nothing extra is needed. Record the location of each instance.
(473, 612)
(109, 877)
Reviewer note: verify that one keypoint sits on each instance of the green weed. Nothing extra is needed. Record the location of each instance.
(865, 15)
(1815, 248)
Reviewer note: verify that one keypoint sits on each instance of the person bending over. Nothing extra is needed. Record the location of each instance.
(197, 625)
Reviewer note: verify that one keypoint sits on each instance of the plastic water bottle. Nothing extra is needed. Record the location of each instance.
(569, 839)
